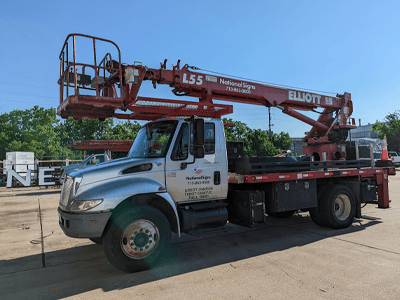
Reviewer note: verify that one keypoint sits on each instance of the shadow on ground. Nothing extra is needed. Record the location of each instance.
(77, 270)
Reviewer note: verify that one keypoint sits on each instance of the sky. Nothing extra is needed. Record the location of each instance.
(334, 46)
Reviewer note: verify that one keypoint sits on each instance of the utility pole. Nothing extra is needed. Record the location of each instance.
(269, 125)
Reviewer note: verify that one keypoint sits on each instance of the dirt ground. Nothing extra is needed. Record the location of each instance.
(281, 259)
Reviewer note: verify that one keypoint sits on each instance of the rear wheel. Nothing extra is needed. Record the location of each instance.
(315, 212)
(337, 207)
(137, 238)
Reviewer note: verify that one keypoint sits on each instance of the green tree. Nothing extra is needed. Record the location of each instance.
(123, 131)
(282, 141)
(258, 144)
(237, 132)
(30, 130)
(257, 141)
(91, 129)
(85, 129)
(40, 131)
(391, 128)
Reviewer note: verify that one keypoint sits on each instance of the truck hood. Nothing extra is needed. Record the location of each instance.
(71, 168)
(109, 169)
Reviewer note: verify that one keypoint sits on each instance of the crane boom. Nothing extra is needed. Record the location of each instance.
(112, 87)
(207, 88)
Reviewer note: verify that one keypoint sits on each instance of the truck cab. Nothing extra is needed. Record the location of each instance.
(175, 168)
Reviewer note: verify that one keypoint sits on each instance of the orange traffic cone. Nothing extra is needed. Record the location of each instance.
(384, 155)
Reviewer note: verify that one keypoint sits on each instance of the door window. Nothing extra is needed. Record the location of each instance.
(209, 138)
(181, 147)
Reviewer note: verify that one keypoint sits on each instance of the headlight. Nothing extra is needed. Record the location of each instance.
(82, 205)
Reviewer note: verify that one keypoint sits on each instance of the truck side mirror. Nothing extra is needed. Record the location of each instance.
(149, 133)
(199, 151)
(199, 132)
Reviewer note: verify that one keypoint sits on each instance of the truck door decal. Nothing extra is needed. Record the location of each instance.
(197, 180)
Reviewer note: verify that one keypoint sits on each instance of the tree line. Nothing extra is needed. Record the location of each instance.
(40, 130)
(391, 128)
(257, 142)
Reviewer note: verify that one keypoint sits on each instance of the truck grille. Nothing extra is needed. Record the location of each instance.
(66, 191)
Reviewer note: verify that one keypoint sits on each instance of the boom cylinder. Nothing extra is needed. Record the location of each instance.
(305, 119)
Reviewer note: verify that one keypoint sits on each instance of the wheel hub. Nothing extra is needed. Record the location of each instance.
(140, 239)
(342, 207)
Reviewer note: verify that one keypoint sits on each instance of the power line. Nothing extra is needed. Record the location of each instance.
(9, 100)
(27, 95)
(28, 85)
(28, 102)
(260, 81)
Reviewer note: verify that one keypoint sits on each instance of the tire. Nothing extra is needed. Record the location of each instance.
(337, 207)
(316, 216)
(98, 241)
(136, 238)
(315, 212)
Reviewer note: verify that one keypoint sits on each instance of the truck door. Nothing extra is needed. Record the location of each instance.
(201, 177)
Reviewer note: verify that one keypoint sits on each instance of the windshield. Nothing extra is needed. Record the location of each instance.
(155, 142)
(86, 159)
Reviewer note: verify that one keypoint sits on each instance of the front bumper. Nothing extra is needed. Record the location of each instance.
(87, 225)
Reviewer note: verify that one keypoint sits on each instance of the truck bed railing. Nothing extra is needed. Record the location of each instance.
(261, 165)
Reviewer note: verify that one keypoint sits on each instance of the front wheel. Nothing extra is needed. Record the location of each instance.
(137, 238)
